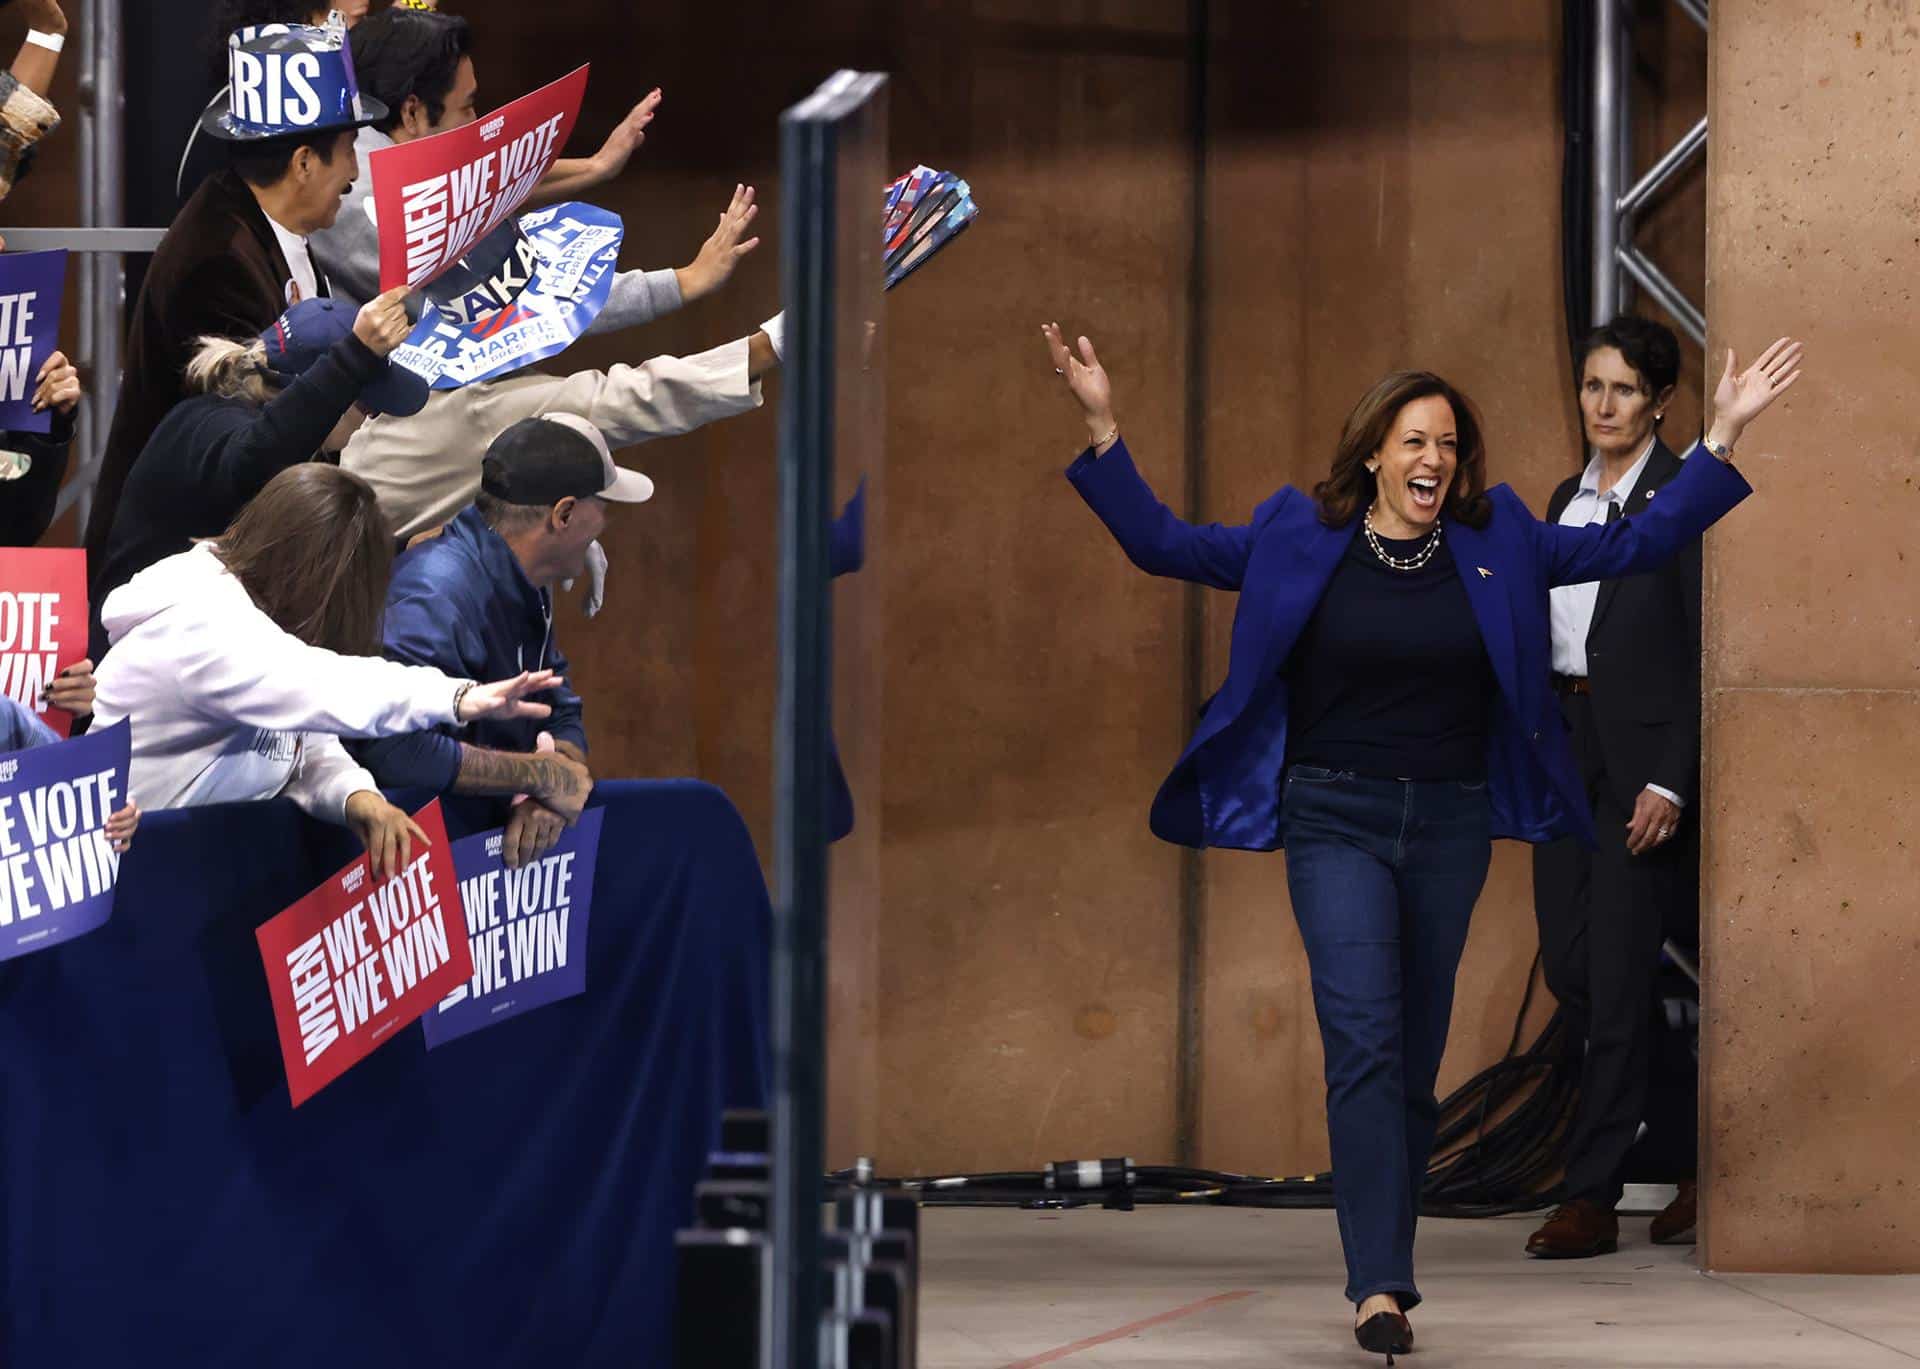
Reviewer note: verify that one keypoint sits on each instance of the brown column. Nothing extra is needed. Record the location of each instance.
(1813, 659)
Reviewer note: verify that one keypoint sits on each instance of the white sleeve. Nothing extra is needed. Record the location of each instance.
(326, 778)
(664, 397)
(234, 664)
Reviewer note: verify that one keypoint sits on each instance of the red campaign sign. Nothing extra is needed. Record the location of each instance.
(353, 962)
(436, 197)
(43, 624)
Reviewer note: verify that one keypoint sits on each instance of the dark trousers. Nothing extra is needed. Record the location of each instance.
(1383, 875)
(1602, 916)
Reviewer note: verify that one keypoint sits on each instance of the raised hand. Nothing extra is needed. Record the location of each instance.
(1742, 396)
(508, 698)
(1086, 379)
(382, 323)
(722, 250)
(626, 137)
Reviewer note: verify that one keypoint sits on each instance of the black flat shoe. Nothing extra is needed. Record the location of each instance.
(1385, 1333)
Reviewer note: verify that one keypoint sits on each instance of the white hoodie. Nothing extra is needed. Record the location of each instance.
(227, 707)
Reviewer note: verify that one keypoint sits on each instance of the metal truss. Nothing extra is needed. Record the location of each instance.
(1617, 260)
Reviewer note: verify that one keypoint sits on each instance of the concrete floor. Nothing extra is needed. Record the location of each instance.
(1007, 1289)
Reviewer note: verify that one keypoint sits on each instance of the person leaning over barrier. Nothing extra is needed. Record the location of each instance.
(297, 391)
(1386, 714)
(420, 66)
(236, 254)
(479, 597)
(243, 662)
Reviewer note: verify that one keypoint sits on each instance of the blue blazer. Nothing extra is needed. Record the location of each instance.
(1225, 788)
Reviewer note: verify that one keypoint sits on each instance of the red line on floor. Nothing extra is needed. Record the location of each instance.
(1129, 1329)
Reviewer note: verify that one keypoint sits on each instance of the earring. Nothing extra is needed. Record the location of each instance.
(1372, 469)
(1658, 418)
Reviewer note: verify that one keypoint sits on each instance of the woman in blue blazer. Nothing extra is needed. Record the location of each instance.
(1387, 712)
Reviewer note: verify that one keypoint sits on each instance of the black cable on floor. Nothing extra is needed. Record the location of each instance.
(1491, 1164)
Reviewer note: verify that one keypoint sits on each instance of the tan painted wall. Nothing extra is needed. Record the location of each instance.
(1813, 668)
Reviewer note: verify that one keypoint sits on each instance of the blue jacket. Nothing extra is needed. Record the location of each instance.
(1225, 788)
(462, 604)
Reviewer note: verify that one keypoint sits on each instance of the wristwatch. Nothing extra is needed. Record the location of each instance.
(1719, 449)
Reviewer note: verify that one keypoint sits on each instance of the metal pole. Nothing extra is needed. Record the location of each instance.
(108, 297)
(1665, 293)
(85, 426)
(1623, 112)
(1607, 92)
(1677, 156)
(791, 1316)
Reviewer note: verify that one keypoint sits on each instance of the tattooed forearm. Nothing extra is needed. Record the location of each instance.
(506, 772)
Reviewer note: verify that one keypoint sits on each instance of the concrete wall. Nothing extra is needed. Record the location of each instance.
(1813, 664)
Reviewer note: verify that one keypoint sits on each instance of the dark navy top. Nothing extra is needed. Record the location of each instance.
(1390, 677)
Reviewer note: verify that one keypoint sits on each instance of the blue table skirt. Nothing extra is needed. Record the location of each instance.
(507, 1200)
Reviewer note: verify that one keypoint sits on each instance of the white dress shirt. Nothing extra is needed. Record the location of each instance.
(294, 248)
(1571, 606)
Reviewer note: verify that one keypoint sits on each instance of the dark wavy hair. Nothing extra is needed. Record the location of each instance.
(314, 554)
(402, 52)
(1349, 486)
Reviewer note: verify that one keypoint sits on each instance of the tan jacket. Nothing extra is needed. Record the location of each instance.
(426, 468)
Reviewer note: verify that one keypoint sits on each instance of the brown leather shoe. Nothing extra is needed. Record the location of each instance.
(1576, 1231)
(1674, 1226)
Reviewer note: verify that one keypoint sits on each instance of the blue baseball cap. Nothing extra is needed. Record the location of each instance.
(308, 330)
(289, 80)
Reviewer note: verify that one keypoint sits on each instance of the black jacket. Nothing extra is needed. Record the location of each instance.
(1643, 658)
(219, 271)
(210, 456)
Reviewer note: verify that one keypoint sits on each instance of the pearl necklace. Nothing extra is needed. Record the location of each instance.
(1413, 562)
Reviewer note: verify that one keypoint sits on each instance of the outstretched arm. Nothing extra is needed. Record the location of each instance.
(1704, 491)
(1152, 535)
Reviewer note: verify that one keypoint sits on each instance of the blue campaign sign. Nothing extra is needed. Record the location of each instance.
(57, 867)
(574, 250)
(31, 284)
(527, 929)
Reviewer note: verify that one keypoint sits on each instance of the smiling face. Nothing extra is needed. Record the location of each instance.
(318, 184)
(1413, 468)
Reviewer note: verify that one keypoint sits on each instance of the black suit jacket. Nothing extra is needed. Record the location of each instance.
(1643, 658)
(219, 272)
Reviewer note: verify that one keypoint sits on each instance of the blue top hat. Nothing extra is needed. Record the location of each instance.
(287, 81)
(306, 332)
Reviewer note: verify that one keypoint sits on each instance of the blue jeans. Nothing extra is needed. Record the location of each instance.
(1383, 875)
